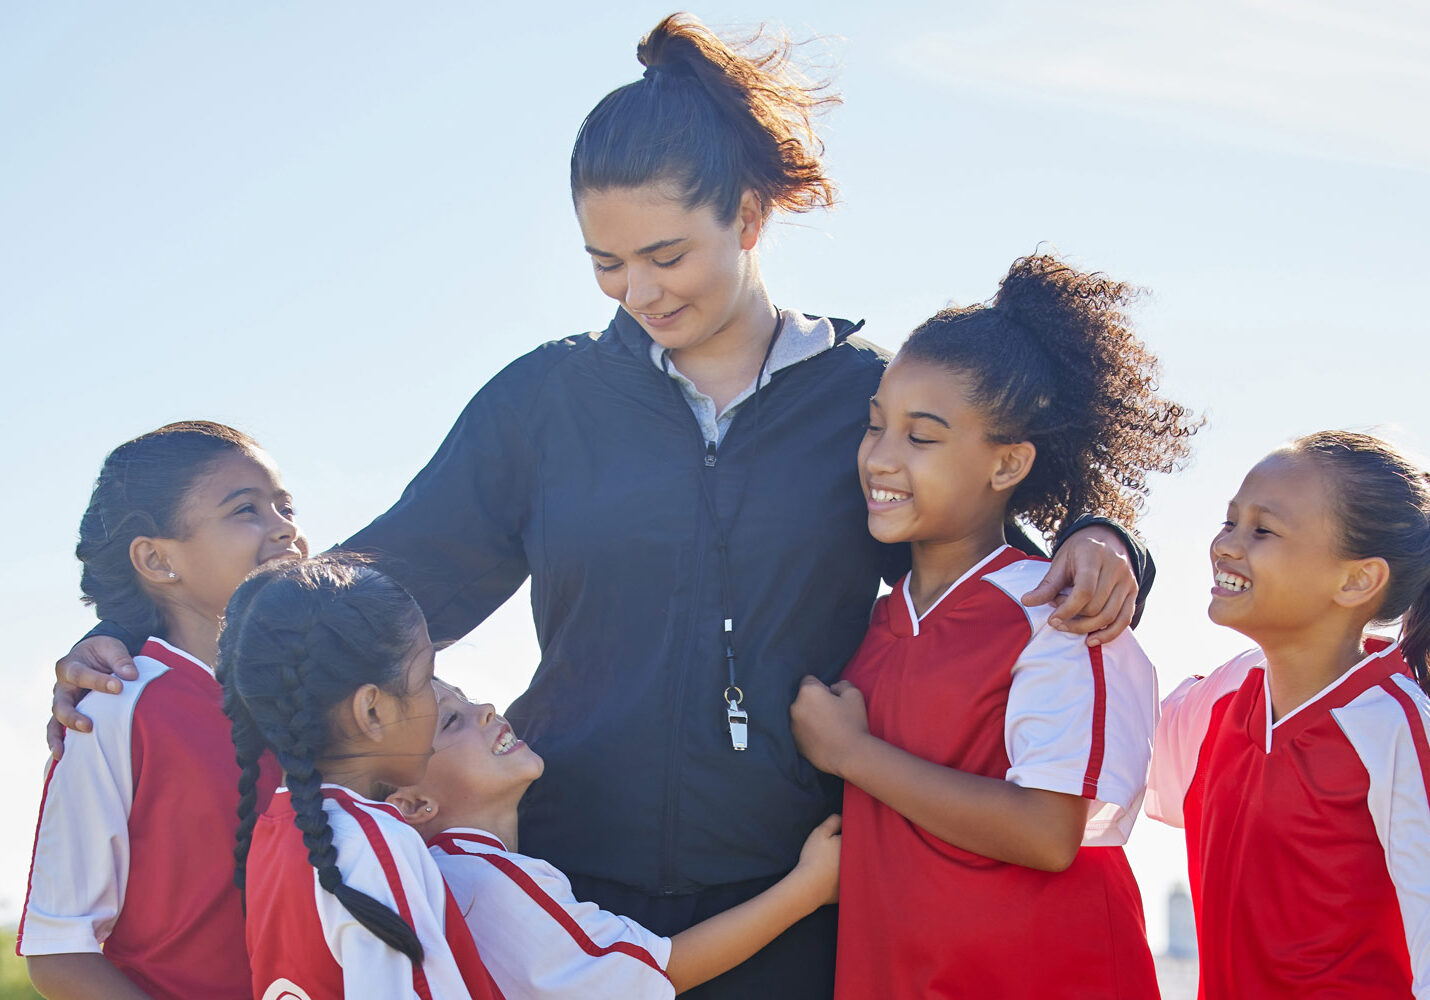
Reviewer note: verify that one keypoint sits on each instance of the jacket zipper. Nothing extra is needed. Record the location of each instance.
(674, 768)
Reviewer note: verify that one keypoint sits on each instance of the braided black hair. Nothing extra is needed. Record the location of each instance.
(1052, 360)
(141, 491)
(298, 638)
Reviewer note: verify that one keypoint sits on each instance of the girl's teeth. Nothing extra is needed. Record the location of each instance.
(504, 744)
(1230, 581)
(887, 496)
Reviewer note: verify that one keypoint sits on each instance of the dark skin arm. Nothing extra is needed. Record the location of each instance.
(988, 816)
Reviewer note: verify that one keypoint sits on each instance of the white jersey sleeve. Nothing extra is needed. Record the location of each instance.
(1079, 719)
(80, 868)
(1186, 717)
(1389, 728)
(382, 856)
(536, 938)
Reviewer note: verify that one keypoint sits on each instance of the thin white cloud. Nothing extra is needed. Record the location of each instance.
(1318, 77)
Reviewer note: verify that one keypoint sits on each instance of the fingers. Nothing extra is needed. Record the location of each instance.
(809, 680)
(78, 675)
(839, 687)
(1048, 590)
(1090, 609)
(65, 708)
(831, 825)
(1122, 622)
(55, 737)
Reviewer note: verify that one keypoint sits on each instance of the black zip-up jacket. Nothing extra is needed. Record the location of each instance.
(581, 465)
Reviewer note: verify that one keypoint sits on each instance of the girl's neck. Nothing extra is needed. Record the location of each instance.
(497, 819)
(351, 772)
(939, 565)
(724, 365)
(1303, 663)
(192, 631)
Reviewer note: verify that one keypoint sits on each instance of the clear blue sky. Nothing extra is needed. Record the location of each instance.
(330, 224)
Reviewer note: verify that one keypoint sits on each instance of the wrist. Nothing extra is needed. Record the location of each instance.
(845, 757)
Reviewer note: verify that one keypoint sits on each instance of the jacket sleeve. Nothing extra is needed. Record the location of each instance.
(454, 537)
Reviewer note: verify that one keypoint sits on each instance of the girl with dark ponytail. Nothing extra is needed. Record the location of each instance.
(994, 764)
(1301, 769)
(124, 858)
(327, 664)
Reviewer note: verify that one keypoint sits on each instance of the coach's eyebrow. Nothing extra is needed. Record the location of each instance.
(651, 248)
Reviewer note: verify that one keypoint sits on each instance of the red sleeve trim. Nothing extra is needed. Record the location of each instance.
(394, 881)
(450, 842)
(1417, 729)
(30, 878)
(568, 923)
(1099, 725)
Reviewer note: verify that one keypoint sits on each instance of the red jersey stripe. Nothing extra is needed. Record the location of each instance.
(29, 879)
(448, 842)
(389, 868)
(1099, 725)
(1417, 729)
(563, 918)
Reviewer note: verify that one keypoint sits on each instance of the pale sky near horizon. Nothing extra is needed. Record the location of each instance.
(330, 224)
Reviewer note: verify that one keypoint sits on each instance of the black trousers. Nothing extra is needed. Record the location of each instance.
(797, 965)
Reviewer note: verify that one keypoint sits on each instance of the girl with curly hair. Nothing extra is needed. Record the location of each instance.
(994, 763)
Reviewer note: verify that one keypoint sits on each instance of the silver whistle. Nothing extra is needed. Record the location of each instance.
(739, 721)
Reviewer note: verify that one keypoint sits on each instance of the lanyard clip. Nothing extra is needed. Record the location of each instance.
(737, 720)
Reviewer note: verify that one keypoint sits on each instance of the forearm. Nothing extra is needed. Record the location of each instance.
(988, 816)
(725, 940)
(81, 976)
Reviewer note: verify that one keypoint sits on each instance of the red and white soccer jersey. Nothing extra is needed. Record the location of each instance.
(536, 938)
(982, 684)
(304, 943)
(133, 847)
(1308, 840)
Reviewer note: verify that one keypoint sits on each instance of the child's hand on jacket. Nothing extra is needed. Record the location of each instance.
(819, 861)
(828, 722)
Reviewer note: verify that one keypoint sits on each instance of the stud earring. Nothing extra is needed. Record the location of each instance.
(173, 575)
(429, 809)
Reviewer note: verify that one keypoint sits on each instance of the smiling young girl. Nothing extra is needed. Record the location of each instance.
(177, 518)
(327, 664)
(538, 939)
(1301, 769)
(1000, 762)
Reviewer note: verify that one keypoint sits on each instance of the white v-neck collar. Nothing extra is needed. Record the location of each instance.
(915, 618)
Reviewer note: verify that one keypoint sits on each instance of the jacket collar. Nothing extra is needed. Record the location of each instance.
(633, 337)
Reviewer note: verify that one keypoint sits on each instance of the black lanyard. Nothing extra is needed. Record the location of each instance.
(737, 719)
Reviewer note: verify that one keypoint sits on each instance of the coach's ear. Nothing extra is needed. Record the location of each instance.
(415, 807)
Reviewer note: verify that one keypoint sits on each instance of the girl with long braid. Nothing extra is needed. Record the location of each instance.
(177, 519)
(327, 663)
